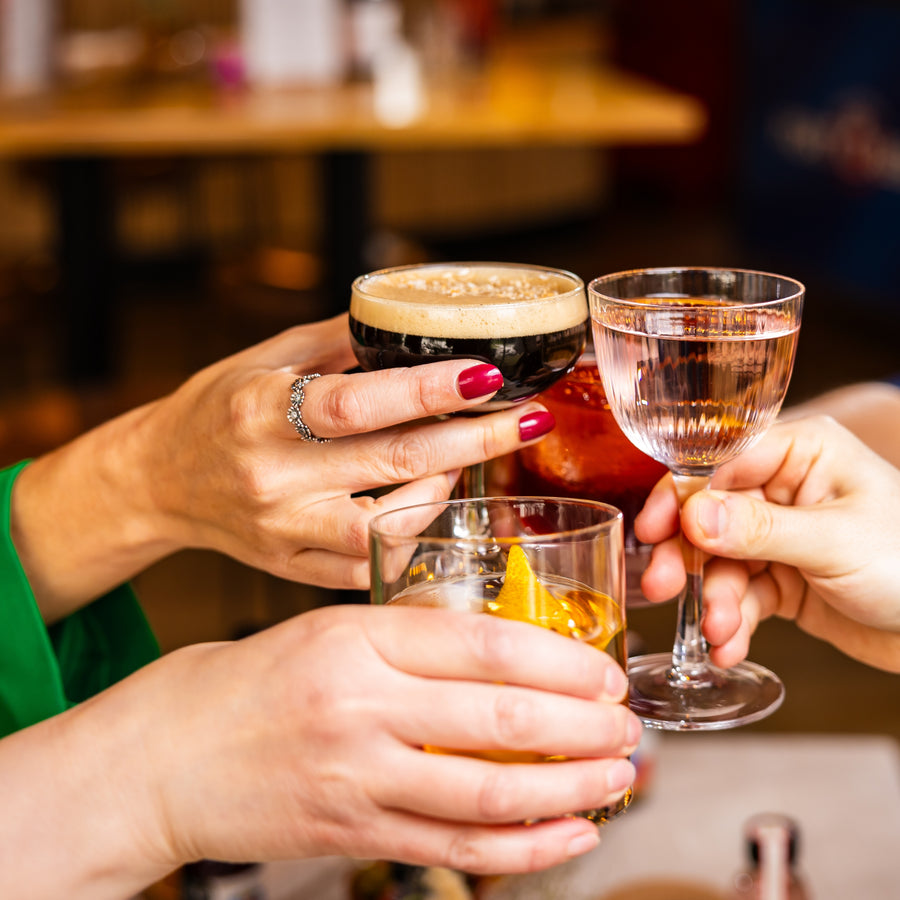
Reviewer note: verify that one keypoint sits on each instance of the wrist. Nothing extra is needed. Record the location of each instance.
(84, 519)
(79, 818)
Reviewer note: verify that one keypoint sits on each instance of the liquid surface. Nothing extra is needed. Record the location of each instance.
(693, 389)
(567, 608)
(469, 301)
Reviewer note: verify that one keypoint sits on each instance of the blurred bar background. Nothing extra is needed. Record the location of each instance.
(761, 135)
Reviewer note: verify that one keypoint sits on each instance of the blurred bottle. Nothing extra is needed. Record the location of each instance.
(375, 25)
(27, 45)
(772, 845)
(290, 43)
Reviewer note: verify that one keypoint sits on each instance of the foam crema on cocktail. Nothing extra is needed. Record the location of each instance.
(531, 322)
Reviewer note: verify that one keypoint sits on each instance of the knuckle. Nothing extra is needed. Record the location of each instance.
(491, 644)
(414, 455)
(344, 410)
(493, 435)
(496, 796)
(760, 527)
(513, 719)
(243, 409)
(357, 537)
(429, 394)
(464, 853)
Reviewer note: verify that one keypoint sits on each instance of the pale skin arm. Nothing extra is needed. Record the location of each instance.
(216, 465)
(305, 740)
(806, 526)
(870, 409)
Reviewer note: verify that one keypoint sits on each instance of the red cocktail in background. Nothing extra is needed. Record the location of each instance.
(587, 456)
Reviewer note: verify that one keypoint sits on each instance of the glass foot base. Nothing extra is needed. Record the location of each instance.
(723, 698)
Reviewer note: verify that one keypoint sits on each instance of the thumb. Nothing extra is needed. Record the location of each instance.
(738, 526)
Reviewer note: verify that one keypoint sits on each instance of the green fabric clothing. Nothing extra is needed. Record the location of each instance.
(44, 670)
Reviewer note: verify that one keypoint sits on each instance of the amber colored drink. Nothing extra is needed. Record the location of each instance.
(575, 612)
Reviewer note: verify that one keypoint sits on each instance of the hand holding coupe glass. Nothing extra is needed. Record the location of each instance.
(695, 364)
(529, 321)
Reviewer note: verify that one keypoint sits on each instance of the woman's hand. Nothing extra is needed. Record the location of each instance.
(805, 525)
(306, 740)
(217, 465)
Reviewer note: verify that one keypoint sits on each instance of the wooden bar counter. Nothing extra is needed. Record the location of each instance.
(516, 100)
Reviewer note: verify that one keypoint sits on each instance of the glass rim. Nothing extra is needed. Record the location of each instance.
(615, 516)
(595, 283)
(577, 281)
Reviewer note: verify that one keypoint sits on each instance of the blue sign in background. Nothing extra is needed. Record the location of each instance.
(820, 166)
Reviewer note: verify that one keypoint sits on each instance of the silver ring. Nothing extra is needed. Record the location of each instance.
(295, 417)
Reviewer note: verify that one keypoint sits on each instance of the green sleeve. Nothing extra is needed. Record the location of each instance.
(45, 670)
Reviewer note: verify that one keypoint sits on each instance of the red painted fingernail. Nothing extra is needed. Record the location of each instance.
(535, 425)
(479, 380)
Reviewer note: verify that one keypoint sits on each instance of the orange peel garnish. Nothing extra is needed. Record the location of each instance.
(581, 614)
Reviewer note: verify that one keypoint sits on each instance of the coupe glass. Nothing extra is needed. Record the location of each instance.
(557, 563)
(696, 363)
(530, 322)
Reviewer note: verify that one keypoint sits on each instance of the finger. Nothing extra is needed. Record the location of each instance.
(341, 405)
(729, 618)
(658, 519)
(405, 453)
(781, 460)
(487, 648)
(339, 525)
(664, 577)
(478, 849)
(323, 346)
(464, 789)
(724, 584)
(503, 718)
(338, 558)
(737, 525)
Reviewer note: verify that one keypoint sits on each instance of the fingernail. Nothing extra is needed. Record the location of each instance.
(478, 381)
(620, 775)
(535, 425)
(711, 515)
(616, 682)
(583, 843)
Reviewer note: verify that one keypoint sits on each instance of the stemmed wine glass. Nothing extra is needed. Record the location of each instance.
(531, 322)
(695, 363)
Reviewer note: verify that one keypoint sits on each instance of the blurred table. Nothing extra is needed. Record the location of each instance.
(512, 102)
(844, 791)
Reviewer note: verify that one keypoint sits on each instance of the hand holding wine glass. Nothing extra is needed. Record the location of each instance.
(696, 363)
(805, 526)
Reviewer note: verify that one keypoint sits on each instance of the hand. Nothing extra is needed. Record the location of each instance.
(805, 525)
(217, 465)
(306, 740)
